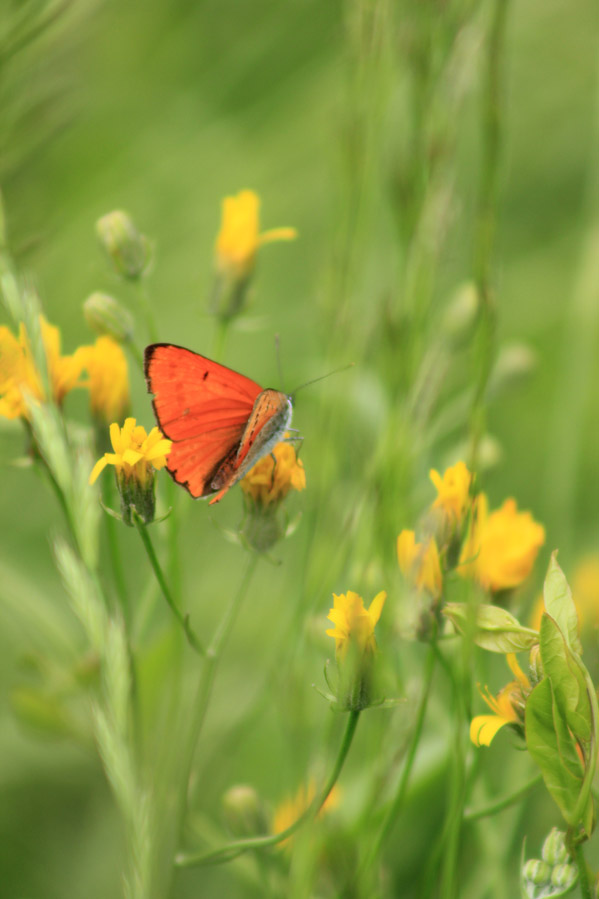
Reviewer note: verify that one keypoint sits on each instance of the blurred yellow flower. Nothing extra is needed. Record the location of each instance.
(585, 590)
(501, 547)
(19, 375)
(354, 624)
(420, 562)
(452, 491)
(585, 593)
(507, 706)
(136, 454)
(106, 365)
(239, 238)
(269, 482)
(288, 811)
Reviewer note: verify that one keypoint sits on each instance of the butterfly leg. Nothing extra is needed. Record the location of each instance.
(274, 466)
(299, 440)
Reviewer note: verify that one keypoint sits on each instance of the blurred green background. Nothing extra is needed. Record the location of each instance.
(323, 108)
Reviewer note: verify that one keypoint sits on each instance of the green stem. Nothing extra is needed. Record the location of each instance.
(220, 338)
(495, 807)
(397, 803)
(144, 301)
(487, 217)
(115, 555)
(182, 619)
(232, 850)
(583, 875)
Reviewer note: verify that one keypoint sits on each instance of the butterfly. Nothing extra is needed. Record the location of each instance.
(220, 422)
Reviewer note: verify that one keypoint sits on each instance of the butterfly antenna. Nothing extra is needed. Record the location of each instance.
(279, 366)
(322, 377)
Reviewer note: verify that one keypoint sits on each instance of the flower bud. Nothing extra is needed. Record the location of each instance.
(554, 849)
(460, 316)
(514, 365)
(128, 249)
(107, 317)
(537, 673)
(244, 811)
(537, 872)
(564, 876)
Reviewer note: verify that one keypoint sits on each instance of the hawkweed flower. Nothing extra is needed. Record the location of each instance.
(236, 247)
(507, 707)
(419, 562)
(264, 488)
(355, 646)
(501, 547)
(136, 457)
(453, 491)
(292, 808)
(106, 365)
(19, 377)
(127, 248)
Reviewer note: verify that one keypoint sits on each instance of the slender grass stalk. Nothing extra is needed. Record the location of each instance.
(495, 807)
(116, 560)
(492, 125)
(183, 620)
(400, 795)
(232, 850)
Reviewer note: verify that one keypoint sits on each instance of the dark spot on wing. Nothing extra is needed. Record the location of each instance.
(205, 376)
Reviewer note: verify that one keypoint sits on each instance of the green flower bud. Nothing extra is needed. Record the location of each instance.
(106, 316)
(564, 876)
(128, 249)
(554, 850)
(244, 811)
(460, 316)
(537, 872)
(515, 365)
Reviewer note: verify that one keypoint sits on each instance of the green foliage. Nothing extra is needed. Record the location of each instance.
(492, 627)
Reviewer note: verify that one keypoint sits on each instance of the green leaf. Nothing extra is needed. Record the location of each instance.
(554, 750)
(567, 676)
(493, 628)
(560, 605)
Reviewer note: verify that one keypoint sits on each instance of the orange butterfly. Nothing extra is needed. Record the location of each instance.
(221, 423)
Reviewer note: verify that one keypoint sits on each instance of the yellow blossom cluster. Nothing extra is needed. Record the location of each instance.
(104, 362)
(270, 480)
(136, 454)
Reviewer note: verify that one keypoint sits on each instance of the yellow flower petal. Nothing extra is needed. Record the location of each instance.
(484, 727)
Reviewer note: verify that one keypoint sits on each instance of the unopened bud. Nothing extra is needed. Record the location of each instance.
(515, 364)
(564, 876)
(244, 811)
(536, 675)
(128, 248)
(554, 850)
(460, 316)
(537, 872)
(106, 316)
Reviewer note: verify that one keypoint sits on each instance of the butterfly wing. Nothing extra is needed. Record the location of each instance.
(203, 407)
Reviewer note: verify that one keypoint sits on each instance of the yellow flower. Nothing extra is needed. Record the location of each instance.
(354, 624)
(420, 562)
(108, 384)
(288, 811)
(507, 706)
(269, 482)
(136, 454)
(501, 547)
(585, 590)
(452, 491)
(19, 375)
(239, 238)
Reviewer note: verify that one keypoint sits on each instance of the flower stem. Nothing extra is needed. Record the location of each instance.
(182, 619)
(501, 804)
(232, 850)
(583, 874)
(397, 803)
(115, 555)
